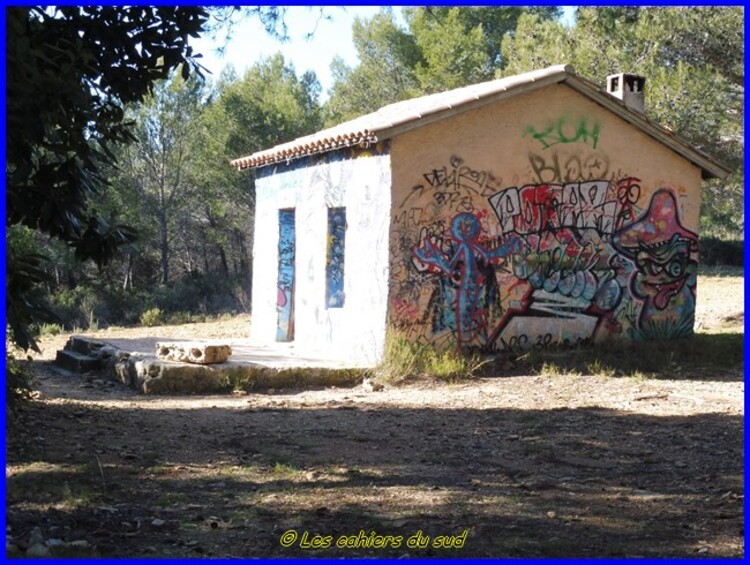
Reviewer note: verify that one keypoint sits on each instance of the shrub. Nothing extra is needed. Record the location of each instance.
(50, 329)
(404, 358)
(199, 294)
(714, 251)
(93, 303)
(179, 318)
(17, 382)
(152, 317)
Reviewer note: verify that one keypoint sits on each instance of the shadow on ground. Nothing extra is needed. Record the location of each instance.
(230, 482)
(705, 356)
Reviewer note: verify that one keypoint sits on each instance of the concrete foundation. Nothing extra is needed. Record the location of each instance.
(253, 368)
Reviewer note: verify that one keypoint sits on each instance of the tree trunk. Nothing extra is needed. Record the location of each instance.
(128, 282)
(164, 246)
(223, 257)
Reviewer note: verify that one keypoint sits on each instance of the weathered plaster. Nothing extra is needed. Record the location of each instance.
(361, 184)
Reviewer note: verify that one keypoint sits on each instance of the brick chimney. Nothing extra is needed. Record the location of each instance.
(628, 88)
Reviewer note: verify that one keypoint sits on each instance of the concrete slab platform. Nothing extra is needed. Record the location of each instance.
(134, 362)
(276, 355)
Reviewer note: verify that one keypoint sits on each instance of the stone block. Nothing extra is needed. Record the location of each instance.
(83, 345)
(193, 352)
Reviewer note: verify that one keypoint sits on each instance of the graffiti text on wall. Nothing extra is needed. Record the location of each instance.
(556, 261)
(455, 186)
(599, 205)
(554, 167)
(565, 130)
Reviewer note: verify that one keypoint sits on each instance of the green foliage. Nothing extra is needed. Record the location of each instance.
(17, 382)
(404, 358)
(100, 303)
(682, 358)
(152, 317)
(452, 52)
(198, 294)
(26, 303)
(388, 57)
(50, 329)
(714, 251)
(442, 48)
(67, 85)
(70, 71)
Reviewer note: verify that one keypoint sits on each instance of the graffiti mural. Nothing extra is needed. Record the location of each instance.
(666, 273)
(580, 252)
(287, 252)
(335, 257)
(465, 263)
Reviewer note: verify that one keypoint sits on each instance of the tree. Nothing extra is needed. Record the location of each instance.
(442, 48)
(452, 52)
(70, 72)
(270, 104)
(388, 57)
(463, 45)
(158, 165)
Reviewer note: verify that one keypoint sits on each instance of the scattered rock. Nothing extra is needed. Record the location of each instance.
(54, 542)
(38, 550)
(551, 515)
(157, 522)
(371, 386)
(36, 537)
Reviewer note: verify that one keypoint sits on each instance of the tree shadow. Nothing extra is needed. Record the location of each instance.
(715, 357)
(229, 482)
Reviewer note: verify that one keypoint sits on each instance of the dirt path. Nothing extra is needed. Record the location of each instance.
(519, 466)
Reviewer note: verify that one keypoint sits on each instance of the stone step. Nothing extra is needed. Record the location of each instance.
(76, 362)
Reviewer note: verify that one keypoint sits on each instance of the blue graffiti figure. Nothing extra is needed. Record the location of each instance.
(468, 266)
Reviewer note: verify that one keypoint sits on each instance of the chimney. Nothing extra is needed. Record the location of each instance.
(628, 88)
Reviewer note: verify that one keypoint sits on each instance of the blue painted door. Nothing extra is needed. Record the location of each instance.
(285, 300)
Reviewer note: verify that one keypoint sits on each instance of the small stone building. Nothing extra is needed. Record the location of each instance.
(515, 213)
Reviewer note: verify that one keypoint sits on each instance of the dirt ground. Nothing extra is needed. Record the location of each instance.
(521, 466)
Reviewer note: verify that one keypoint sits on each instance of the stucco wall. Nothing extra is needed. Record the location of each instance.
(359, 181)
(541, 219)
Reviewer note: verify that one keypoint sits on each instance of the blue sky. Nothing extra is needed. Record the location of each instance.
(250, 42)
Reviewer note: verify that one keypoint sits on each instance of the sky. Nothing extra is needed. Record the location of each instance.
(250, 42)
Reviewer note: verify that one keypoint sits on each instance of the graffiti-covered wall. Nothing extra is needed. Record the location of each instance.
(320, 259)
(537, 220)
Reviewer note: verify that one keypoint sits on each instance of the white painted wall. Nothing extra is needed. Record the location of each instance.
(356, 332)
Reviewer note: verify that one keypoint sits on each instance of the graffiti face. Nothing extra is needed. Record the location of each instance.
(662, 271)
(465, 228)
(665, 275)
